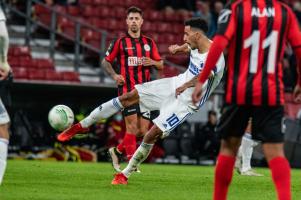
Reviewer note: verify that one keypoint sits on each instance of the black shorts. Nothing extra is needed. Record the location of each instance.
(267, 122)
(135, 109)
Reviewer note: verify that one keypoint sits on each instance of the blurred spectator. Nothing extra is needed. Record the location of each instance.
(207, 139)
(203, 11)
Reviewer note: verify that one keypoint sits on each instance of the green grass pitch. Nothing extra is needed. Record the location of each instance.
(41, 180)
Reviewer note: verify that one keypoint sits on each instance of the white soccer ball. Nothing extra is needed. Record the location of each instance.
(60, 117)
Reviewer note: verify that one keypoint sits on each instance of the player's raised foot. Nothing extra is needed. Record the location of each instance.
(120, 179)
(115, 157)
(71, 131)
(137, 170)
(250, 172)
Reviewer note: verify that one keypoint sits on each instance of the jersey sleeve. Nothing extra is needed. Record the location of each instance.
(226, 22)
(294, 32)
(112, 50)
(155, 53)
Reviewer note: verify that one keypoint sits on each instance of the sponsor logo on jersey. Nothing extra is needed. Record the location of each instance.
(134, 61)
(146, 47)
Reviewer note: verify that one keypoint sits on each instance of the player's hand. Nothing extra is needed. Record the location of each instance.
(297, 94)
(3, 74)
(180, 90)
(146, 61)
(173, 48)
(197, 93)
(119, 79)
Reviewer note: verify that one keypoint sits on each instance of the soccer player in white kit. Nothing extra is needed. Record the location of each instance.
(172, 96)
(4, 117)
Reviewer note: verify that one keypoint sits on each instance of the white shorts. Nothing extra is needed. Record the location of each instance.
(160, 95)
(4, 117)
(2, 16)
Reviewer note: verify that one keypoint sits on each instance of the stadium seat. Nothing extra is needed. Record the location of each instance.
(20, 73)
(43, 64)
(163, 27)
(163, 48)
(86, 2)
(70, 76)
(101, 2)
(178, 59)
(154, 15)
(88, 34)
(53, 75)
(90, 11)
(34, 74)
(73, 10)
(104, 12)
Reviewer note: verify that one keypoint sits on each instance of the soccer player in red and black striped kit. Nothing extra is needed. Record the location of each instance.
(136, 55)
(257, 32)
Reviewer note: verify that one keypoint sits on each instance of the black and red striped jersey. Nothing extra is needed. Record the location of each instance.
(257, 32)
(129, 53)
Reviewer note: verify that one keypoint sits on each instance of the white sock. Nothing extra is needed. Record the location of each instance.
(238, 160)
(3, 157)
(104, 111)
(246, 150)
(139, 156)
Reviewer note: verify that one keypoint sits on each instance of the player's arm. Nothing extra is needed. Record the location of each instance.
(119, 79)
(106, 63)
(4, 42)
(155, 58)
(179, 49)
(189, 84)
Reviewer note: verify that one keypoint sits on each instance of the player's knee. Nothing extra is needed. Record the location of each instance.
(4, 131)
(230, 146)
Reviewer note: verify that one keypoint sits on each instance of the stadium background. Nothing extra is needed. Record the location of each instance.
(55, 53)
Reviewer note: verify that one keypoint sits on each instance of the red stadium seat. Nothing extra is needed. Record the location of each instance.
(90, 11)
(34, 74)
(120, 13)
(85, 2)
(104, 12)
(101, 2)
(154, 15)
(53, 75)
(39, 10)
(44, 64)
(60, 9)
(163, 48)
(20, 73)
(73, 10)
(163, 27)
(99, 23)
(71, 76)
(88, 34)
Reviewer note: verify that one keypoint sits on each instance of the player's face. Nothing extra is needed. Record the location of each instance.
(134, 22)
(190, 37)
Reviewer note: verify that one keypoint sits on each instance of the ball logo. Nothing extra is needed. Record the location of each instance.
(146, 47)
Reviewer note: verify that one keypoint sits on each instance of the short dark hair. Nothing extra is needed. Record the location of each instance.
(134, 9)
(211, 112)
(198, 23)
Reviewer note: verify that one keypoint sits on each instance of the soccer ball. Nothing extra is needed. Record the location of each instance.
(60, 117)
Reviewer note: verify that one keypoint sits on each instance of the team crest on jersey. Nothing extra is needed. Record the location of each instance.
(224, 16)
(146, 47)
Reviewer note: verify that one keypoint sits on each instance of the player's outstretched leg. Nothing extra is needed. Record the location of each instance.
(102, 112)
(140, 155)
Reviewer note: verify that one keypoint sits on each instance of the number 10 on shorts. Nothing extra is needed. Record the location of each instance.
(172, 120)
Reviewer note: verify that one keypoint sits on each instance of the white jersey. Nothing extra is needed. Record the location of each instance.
(2, 16)
(160, 94)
